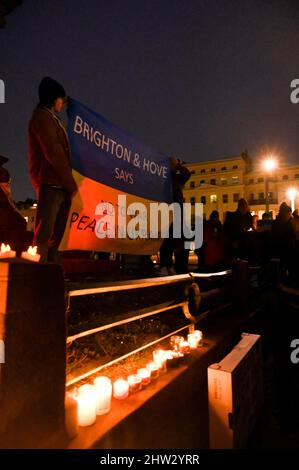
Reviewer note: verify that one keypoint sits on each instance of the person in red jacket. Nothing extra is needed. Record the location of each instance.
(50, 169)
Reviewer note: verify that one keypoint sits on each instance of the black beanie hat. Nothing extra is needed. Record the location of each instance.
(49, 90)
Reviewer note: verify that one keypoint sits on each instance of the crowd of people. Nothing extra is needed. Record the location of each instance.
(244, 236)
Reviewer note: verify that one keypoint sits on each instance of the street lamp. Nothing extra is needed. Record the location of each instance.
(292, 195)
(269, 165)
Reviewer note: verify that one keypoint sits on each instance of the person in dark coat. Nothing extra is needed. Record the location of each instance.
(180, 175)
(213, 252)
(284, 241)
(12, 223)
(10, 219)
(50, 169)
(236, 227)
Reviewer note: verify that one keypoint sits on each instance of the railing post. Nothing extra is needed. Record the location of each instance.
(32, 379)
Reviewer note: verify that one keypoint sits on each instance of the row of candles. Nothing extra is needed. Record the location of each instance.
(90, 400)
(31, 254)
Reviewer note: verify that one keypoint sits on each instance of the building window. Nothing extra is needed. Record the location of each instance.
(192, 184)
(223, 168)
(202, 171)
(236, 197)
(202, 182)
(270, 195)
(223, 181)
(224, 198)
(285, 177)
(261, 195)
(235, 167)
(192, 200)
(192, 172)
(251, 197)
(235, 179)
(203, 199)
(213, 181)
(260, 180)
(251, 181)
(213, 198)
(213, 170)
(297, 176)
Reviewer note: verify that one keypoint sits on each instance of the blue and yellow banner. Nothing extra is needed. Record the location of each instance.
(108, 163)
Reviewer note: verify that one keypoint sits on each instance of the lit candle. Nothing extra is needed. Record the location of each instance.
(71, 415)
(175, 342)
(135, 383)
(6, 252)
(103, 389)
(185, 348)
(31, 254)
(87, 405)
(120, 389)
(160, 359)
(198, 334)
(145, 375)
(153, 367)
(193, 341)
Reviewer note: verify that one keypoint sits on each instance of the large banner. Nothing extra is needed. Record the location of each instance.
(113, 171)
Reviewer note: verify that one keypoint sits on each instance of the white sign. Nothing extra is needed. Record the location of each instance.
(2, 92)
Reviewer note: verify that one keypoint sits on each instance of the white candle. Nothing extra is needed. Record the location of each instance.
(198, 334)
(120, 389)
(160, 359)
(135, 383)
(103, 388)
(154, 369)
(71, 415)
(31, 254)
(185, 348)
(193, 341)
(87, 405)
(6, 252)
(145, 375)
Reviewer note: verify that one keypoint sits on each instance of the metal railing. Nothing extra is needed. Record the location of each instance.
(142, 313)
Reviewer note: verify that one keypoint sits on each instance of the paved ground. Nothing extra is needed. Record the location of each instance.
(278, 426)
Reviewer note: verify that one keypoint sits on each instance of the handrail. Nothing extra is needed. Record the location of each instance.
(142, 283)
(161, 308)
(114, 361)
(205, 275)
(128, 285)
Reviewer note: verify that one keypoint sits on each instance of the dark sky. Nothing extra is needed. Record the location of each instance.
(201, 79)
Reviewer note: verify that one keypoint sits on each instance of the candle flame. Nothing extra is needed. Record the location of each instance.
(4, 248)
(32, 250)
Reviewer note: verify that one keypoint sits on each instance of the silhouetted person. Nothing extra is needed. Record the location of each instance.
(50, 169)
(213, 251)
(12, 224)
(236, 226)
(180, 175)
(283, 239)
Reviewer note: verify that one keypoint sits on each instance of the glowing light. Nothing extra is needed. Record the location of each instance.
(270, 164)
(292, 192)
(6, 251)
(31, 254)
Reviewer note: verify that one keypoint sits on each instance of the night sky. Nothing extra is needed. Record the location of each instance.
(199, 79)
